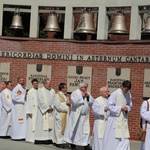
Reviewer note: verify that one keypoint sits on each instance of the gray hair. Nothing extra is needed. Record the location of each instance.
(82, 84)
(103, 88)
(45, 80)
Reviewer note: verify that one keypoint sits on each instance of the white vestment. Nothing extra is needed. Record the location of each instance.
(5, 122)
(111, 142)
(60, 108)
(146, 117)
(18, 113)
(32, 98)
(0, 105)
(78, 126)
(100, 118)
(44, 125)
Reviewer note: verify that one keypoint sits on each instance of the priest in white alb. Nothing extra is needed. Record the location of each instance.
(19, 111)
(117, 135)
(44, 125)
(62, 110)
(77, 131)
(145, 115)
(32, 106)
(101, 113)
(6, 101)
(1, 89)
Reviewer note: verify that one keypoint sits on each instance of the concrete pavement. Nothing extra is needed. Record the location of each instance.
(8, 144)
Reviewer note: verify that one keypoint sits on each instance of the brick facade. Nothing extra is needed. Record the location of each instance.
(99, 69)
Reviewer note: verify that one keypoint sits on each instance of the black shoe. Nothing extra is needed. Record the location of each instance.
(18, 139)
(47, 142)
(73, 147)
(87, 147)
(60, 145)
(50, 142)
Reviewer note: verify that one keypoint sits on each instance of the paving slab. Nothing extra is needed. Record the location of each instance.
(8, 144)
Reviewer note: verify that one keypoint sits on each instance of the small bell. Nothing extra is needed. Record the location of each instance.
(17, 20)
(52, 23)
(119, 24)
(86, 23)
(146, 29)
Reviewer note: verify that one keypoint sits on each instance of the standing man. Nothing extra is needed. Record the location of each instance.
(78, 126)
(100, 111)
(117, 132)
(1, 89)
(44, 126)
(4, 84)
(19, 111)
(6, 100)
(145, 115)
(32, 106)
(62, 109)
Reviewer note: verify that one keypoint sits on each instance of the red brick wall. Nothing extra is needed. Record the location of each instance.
(99, 69)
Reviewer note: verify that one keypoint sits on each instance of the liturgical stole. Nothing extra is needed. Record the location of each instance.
(47, 117)
(63, 114)
(20, 106)
(86, 125)
(102, 119)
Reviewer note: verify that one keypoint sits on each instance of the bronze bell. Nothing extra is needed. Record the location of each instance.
(86, 23)
(146, 29)
(52, 23)
(17, 20)
(119, 24)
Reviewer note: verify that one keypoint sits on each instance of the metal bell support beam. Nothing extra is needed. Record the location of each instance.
(16, 20)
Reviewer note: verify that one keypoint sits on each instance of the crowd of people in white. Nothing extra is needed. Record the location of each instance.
(42, 116)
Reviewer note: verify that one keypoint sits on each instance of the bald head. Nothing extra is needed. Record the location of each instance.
(104, 92)
(83, 86)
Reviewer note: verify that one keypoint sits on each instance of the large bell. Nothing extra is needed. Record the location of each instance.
(146, 29)
(17, 20)
(86, 23)
(52, 23)
(119, 24)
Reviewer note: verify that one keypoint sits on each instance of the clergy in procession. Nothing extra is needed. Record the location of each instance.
(116, 135)
(77, 131)
(6, 101)
(145, 115)
(31, 111)
(4, 84)
(62, 109)
(19, 111)
(44, 125)
(101, 113)
(1, 89)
